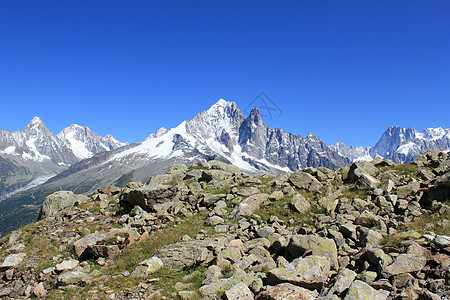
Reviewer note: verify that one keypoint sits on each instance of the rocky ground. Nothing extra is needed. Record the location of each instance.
(369, 231)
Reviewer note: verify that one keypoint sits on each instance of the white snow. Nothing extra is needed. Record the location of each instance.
(36, 155)
(9, 150)
(407, 148)
(78, 148)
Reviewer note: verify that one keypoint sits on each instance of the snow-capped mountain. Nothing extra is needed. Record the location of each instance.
(352, 153)
(36, 154)
(84, 143)
(402, 145)
(35, 143)
(224, 133)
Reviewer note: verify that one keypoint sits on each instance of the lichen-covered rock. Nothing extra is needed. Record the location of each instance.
(299, 204)
(343, 281)
(405, 263)
(239, 292)
(287, 291)
(361, 167)
(88, 245)
(310, 272)
(249, 205)
(185, 254)
(305, 181)
(320, 246)
(147, 196)
(12, 260)
(360, 290)
(408, 189)
(148, 266)
(366, 181)
(71, 278)
(58, 202)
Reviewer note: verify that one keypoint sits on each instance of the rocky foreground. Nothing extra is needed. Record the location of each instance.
(369, 231)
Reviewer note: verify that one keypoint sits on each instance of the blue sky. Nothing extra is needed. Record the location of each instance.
(345, 70)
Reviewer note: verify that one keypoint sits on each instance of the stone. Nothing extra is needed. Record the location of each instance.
(186, 254)
(299, 204)
(265, 231)
(91, 243)
(299, 244)
(361, 167)
(9, 274)
(442, 241)
(109, 189)
(249, 205)
(239, 292)
(72, 278)
(343, 281)
(305, 181)
(366, 181)
(311, 272)
(214, 220)
(286, 291)
(406, 190)
(277, 195)
(59, 202)
(66, 265)
(187, 295)
(405, 263)
(12, 260)
(368, 276)
(39, 290)
(360, 290)
(372, 239)
(148, 266)
(367, 219)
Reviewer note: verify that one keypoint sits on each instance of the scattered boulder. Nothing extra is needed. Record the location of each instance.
(249, 205)
(287, 291)
(360, 290)
(319, 246)
(12, 260)
(59, 202)
(299, 204)
(305, 181)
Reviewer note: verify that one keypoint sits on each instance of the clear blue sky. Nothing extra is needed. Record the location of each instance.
(344, 70)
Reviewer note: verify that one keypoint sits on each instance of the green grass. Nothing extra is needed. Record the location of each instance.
(133, 255)
(431, 222)
(281, 210)
(129, 258)
(168, 279)
(401, 169)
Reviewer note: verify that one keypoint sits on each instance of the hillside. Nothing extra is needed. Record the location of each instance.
(374, 230)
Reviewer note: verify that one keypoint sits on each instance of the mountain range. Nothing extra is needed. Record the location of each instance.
(33, 155)
(80, 160)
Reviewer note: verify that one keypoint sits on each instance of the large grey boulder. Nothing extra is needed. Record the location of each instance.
(299, 244)
(299, 204)
(72, 278)
(358, 168)
(59, 202)
(239, 292)
(185, 254)
(12, 260)
(287, 291)
(249, 205)
(360, 290)
(311, 272)
(147, 196)
(405, 263)
(305, 181)
(147, 266)
(93, 244)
